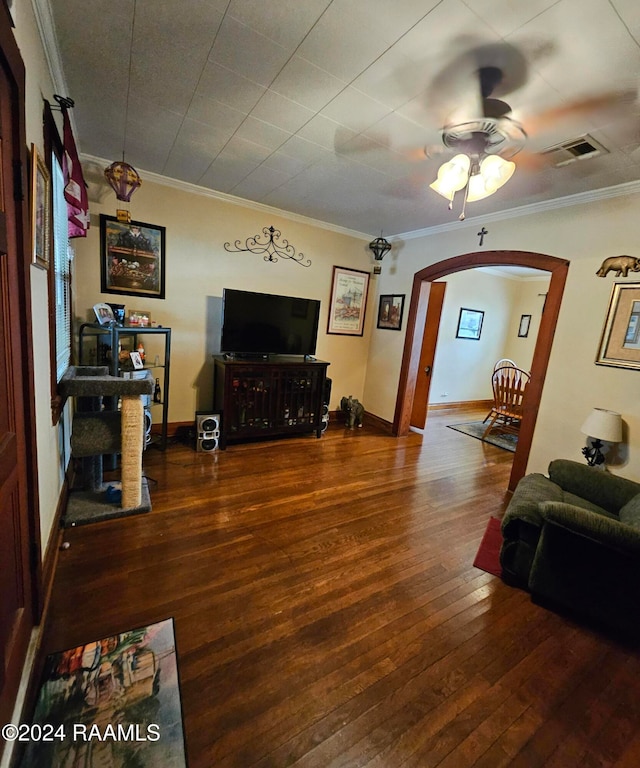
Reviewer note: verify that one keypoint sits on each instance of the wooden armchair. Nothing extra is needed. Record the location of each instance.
(509, 385)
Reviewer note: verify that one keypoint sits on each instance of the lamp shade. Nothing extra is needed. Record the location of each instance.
(604, 425)
(494, 173)
(452, 176)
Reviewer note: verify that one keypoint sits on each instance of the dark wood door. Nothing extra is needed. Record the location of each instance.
(16, 609)
(427, 355)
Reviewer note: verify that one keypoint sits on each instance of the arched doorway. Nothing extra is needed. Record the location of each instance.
(416, 327)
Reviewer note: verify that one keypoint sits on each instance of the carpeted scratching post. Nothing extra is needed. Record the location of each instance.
(96, 432)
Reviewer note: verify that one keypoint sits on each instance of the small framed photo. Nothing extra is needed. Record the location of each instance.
(348, 301)
(139, 318)
(390, 312)
(470, 324)
(620, 343)
(136, 360)
(525, 324)
(104, 314)
(40, 211)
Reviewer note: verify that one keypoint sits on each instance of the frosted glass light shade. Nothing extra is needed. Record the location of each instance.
(494, 173)
(604, 425)
(452, 176)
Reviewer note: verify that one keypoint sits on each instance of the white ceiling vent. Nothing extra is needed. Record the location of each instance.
(578, 149)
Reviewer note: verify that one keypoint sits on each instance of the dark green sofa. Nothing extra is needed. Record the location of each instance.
(573, 540)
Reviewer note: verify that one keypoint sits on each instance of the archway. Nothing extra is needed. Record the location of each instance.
(416, 325)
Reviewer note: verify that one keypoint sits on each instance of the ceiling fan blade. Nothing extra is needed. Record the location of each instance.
(587, 108)
(490, 78)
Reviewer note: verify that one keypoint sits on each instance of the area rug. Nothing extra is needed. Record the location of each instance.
(488, 556)
(476, 429)
(111, 703)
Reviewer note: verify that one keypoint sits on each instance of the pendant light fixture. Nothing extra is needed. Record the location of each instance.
(380, 246)
(122, 177)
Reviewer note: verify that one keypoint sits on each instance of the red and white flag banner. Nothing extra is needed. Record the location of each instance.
(75, 189)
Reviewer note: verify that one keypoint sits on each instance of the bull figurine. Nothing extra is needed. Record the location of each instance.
(353, 411)
(621, 264)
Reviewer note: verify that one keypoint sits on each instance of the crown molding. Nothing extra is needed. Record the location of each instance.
(581, 198)
(605, 193)
(224, 197)
(46, 29)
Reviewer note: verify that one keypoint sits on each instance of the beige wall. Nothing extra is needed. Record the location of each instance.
(198, 269)
(39, 86)
(462, 367)
(528, 300)
(584, 234)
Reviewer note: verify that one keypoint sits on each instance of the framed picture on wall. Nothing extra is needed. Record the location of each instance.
(390, 312)
(40, 210)
(348, 301)
(470, 324)
(525, 324)
(620, 343)
(132, 258)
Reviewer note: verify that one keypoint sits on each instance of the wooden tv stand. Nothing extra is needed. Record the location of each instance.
(266, 398)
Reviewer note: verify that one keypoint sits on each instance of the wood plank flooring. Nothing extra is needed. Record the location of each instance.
(328, 614)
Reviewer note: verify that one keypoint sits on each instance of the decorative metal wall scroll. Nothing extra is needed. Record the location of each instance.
(270, 249)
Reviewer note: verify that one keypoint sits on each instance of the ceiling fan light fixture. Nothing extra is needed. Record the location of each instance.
(452, 176)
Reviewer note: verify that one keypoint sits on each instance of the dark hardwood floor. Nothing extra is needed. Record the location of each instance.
(327, 611)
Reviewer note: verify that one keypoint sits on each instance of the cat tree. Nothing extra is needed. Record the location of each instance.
(98, 431)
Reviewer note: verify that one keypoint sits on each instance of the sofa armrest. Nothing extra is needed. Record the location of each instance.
(601, 488)
(599, 528)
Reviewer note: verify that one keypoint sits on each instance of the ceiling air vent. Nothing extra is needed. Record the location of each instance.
(577, 149)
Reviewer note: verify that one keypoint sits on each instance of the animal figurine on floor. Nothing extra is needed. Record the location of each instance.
(353, 411)
(620, 264)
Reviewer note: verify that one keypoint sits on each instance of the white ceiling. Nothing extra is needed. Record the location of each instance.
(324, 107)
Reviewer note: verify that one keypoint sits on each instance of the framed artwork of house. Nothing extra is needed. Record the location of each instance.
(348, 303)
(390, 312)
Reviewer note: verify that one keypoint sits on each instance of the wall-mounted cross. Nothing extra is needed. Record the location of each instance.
(481, 234)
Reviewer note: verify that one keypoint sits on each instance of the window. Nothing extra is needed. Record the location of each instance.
(61, 273)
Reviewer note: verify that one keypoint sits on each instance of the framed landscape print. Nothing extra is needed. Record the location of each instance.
(620, 343)
(348, 301)
(470, 324)
(390, 312)
(132, 258)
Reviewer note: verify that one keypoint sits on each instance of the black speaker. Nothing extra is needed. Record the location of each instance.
(207, 431)
(148, 423)
(326, 397)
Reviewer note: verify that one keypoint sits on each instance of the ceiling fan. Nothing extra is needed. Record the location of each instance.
(484, 146)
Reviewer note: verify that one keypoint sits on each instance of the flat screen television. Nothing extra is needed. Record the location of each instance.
(267, 324)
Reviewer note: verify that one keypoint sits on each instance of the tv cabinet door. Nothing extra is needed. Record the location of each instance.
(251, 402)
(299, 400)
(264, 400)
